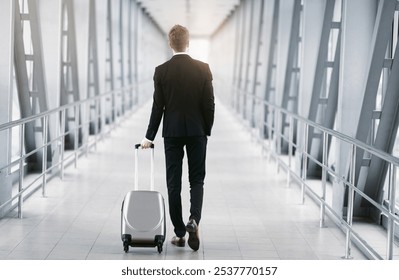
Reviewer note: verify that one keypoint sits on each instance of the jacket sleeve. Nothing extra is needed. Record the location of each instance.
(158, 106)
(208, 101)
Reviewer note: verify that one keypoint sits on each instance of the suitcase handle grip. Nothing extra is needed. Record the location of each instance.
(139, 145)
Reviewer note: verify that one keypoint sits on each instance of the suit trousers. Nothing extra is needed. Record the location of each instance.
(196, 156)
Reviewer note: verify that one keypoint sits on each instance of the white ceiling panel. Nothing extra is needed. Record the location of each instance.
(201, 17)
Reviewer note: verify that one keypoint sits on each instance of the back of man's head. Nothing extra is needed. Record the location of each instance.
(178, 38)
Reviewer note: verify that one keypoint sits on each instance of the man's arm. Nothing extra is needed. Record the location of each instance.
(157, 109)
(208, 101)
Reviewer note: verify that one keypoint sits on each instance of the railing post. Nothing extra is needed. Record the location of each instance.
(114, 109)
(324, 180)
(44, 160)
(290, 148)
(270, 132)
(244, 104)
(304, 161)
(86, 120)
(278, 138)
(239, 95)
(103, 103)
(97, 104)
(351, 196)
(21, 170)
(76, 134)
(62, 134)
(262, 129)
(391, 222)
(279, 133)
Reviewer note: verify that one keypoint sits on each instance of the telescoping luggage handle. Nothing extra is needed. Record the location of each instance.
(136, 167)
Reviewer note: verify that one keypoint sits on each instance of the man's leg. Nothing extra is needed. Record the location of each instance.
(174, 154)
(196, 156)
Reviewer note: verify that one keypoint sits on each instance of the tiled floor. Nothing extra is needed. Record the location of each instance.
(248, 213)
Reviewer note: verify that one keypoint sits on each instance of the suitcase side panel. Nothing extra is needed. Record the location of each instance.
(143, 217)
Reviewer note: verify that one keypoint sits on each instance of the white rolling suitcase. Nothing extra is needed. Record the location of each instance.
(143, 214)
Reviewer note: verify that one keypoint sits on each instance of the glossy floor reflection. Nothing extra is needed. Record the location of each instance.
(248, 213)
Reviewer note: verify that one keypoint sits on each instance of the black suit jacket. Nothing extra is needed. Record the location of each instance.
(183, 95)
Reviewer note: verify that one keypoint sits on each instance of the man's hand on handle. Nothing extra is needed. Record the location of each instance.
(145, 143)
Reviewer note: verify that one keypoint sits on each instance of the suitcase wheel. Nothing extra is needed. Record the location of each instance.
(159, 245)
(126, 238)
(159, 239)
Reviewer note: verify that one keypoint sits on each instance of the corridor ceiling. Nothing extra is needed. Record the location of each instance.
(201, 17)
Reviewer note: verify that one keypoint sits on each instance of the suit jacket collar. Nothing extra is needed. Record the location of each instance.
(181, 55)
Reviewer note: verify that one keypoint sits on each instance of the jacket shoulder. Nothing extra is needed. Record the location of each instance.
(201, 63)
(160, 71)
(204, 67)
(162, 66)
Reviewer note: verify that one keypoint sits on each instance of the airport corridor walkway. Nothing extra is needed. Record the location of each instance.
(248, 212)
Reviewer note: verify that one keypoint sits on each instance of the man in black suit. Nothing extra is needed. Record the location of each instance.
(183, 95)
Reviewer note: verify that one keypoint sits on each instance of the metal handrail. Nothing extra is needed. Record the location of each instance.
(354, 142)
(349, 182)
(22, 188)
(12, 124)
(366, 147)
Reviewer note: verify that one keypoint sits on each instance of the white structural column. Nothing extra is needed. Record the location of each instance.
(313, 14)
(100, 14)
(109, 76)
(270, 83)
(135, 45)
(92, 82)
(286, 11)
(101, 26)
(82, 21)
(254, 108)
(284, 31)
(241, 64)
(6, 73)
(82, 12)
(50, 28)
(116, 55)
(249, 63)
(312, 24)
(358, 19)
(379, 59)
(129, 51)
(70, 73)
(289, 98)
(323, 103)
(238, 15)
(29, 75)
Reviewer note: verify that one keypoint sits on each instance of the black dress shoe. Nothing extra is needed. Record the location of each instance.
(193, 235)
(178, 241)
